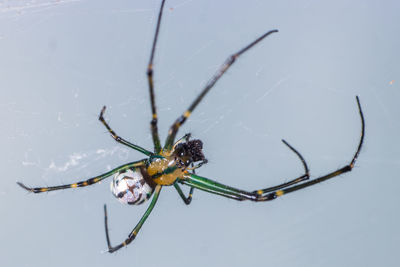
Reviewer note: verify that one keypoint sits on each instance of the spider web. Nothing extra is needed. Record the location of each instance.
(298, 85)
(15, 7)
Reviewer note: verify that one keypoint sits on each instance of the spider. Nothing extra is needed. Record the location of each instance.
(175, 163)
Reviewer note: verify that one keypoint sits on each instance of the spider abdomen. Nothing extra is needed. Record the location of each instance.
(130, 187)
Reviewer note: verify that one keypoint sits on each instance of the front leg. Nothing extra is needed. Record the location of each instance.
(120, 139)
(149, 72)
(220, 72)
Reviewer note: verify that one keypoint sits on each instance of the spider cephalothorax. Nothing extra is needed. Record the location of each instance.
(172, 165)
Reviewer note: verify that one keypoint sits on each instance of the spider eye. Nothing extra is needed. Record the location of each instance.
(130, 187)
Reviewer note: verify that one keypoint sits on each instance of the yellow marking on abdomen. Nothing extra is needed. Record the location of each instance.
(260, 192)
(187, 114)
(279, 193)
(74, 185)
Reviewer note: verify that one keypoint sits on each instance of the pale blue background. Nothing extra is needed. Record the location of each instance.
(61, 61)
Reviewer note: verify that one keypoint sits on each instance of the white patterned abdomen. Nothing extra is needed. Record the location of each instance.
(130, 187)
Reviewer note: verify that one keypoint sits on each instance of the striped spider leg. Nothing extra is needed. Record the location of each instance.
(271, 193)
(87, 182)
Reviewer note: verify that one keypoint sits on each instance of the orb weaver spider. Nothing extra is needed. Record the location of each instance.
(174, 164)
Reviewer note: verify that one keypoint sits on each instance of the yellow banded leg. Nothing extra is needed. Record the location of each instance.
(120, 139)
(153, 123)
(187, 200)
(330, 175)
(154, 120)
(302, 178)
(174, 129)
(135, 230)
(210, 84)
(83, 183)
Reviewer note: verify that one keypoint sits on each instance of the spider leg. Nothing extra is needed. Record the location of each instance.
(194, 167)
(229, 61)
(185, 199)
(302, 178)
(214, 187)
(149, 72)
(266, 194)
(330, 175)
(135, 230)
(83, 183)
(120, 139)
(238, 194)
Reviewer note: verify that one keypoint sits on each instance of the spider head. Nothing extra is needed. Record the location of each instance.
(130, 187)
(189, 152)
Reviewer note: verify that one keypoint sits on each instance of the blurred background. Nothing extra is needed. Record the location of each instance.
(61, 61)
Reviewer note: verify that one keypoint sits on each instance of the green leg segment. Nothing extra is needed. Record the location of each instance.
(185, 199)
(135, 230)
(120, 139)
(276, 191)
(86, 182)
(234, 193)
(214, 187)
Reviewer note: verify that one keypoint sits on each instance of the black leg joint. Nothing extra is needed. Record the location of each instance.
(231, 59)
(101, 113)
(270, 196)
(130, 239)
(347, 168)
(181, 120)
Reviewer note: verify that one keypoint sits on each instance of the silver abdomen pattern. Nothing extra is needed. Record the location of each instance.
(129, 187)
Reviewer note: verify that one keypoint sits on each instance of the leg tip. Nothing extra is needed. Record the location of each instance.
(358, 100)
(25, 187)
(102, 112)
